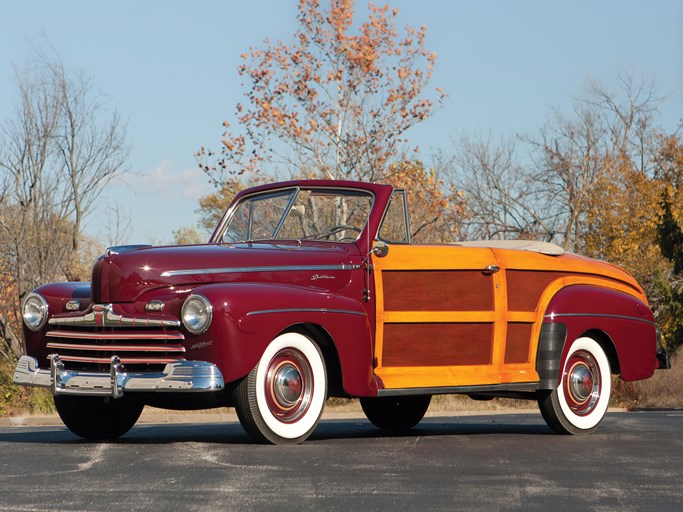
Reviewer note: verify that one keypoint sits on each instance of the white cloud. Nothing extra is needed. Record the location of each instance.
(167, 183)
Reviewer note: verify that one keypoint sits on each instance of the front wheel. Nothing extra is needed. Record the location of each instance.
(395, 413)
(580, 401)
(282, 398)
(98, 418)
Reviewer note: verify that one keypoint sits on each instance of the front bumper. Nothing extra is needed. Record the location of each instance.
(178, 377)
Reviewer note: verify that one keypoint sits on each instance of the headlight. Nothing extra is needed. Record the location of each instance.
(34, 311)
(196, 314)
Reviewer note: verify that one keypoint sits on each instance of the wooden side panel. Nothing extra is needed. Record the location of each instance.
(437, 344)
(437, 290)
(518, 343)
(437, 317)
(524, 287)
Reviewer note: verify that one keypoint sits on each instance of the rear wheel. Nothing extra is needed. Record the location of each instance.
(282, 398)
(395, 413)
(98, 418)
(580, 401)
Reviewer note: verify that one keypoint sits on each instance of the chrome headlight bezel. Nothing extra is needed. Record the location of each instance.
(196, 314)
(34, 311)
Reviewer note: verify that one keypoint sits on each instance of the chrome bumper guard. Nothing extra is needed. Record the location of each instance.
(182, 376)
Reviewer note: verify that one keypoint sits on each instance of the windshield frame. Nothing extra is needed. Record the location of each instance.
(220, 232)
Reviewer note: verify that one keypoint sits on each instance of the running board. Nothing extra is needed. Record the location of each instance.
(503, 389)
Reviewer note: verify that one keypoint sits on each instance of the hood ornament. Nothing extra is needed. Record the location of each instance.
(120, 249)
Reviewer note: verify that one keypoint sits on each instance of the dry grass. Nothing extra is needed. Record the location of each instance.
(19, 400)
(664, 390)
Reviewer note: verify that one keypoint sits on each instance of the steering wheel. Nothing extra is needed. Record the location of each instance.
(341, 227)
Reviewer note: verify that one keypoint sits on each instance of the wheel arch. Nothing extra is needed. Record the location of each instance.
(605, 341)
(554, 344)
(325, 343)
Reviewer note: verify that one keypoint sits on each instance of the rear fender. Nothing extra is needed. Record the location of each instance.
(621, 323)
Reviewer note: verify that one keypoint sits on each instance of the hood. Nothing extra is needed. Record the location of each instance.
(125, 276)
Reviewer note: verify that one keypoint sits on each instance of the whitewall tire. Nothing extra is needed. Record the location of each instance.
(580, 401)
(282, 398)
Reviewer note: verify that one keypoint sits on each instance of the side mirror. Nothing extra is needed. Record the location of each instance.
(380, 249)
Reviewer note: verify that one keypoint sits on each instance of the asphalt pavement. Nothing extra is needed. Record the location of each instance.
(633, 462)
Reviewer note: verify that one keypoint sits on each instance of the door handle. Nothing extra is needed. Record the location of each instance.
(491, 269)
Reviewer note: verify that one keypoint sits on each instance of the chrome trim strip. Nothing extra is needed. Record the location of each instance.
(177, 377)
(117, 348)
(122, 359)
(518, 386)
(238, 270)
(77, 335)
(598, 315)
(102, 315)
(306, 310)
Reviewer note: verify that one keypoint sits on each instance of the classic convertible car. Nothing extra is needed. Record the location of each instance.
(312, 289)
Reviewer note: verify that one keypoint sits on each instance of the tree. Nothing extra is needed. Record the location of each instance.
(336, 103)
(436, 210)
(213, 205)
(603, 181)
(547, 186)
(621, 218)
(504, 200)
(57, 154)
(188, 235)
(669, 238)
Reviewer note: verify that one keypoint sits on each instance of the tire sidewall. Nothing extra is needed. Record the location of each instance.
(590, 420)
(310, 418)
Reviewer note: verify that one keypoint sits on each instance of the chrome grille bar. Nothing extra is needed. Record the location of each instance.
(123, 359)
(117, 348)
(102, 315)
(78, 335)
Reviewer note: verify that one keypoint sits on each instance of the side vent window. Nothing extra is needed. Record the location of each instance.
(395, 225)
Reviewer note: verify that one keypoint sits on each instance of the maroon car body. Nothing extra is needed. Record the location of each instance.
(290, 302)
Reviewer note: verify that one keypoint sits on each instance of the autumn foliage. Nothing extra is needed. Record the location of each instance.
(334, 103)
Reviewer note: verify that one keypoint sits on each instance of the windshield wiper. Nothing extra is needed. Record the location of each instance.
(325, 234)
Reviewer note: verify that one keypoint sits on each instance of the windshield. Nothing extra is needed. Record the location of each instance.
(299, 214)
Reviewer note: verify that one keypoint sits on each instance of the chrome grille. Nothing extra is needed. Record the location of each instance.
(88, 341)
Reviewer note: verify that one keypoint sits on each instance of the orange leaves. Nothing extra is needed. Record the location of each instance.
(436, 213)
(335, 100)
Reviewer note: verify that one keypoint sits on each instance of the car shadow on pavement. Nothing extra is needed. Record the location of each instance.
(328, 430)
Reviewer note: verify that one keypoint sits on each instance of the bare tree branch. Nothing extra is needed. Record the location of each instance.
(58, 152)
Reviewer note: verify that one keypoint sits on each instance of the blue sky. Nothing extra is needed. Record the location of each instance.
(170, 69)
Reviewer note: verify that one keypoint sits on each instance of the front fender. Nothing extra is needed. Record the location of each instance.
(56, 295)
(624, 319)
(247, 317)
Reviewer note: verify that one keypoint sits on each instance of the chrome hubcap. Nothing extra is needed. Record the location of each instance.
(582, 382)
(289, 385)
